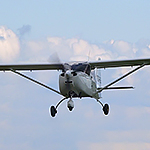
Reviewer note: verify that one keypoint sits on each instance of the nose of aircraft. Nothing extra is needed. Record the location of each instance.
(68, 74)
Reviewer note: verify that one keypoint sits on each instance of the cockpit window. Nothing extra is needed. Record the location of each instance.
(81, 67)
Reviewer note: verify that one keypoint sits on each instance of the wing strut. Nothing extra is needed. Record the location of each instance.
(35, 81)
(127, 74)
(118, 88)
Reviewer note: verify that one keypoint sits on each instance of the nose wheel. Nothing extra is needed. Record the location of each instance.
(70, 104)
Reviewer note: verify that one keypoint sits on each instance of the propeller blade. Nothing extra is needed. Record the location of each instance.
(54, 58)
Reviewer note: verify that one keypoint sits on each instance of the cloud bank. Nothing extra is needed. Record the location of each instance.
(73, 49)
(9, 45)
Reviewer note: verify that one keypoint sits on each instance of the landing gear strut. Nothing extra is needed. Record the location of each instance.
(53, 109)
(105, 107)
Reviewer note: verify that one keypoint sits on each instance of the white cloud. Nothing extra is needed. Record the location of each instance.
(75, 49)
(123, 50)
(146, 52)
(122, 46)
(55, 40)
(83, 48)
(122, 71)
(9, 45)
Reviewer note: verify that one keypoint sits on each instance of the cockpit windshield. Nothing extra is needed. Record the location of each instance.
(84, 67)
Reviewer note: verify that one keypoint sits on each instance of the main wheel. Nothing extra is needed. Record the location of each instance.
(53, 111)
(106, 109)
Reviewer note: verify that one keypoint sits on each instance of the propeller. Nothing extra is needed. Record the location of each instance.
(54, 58)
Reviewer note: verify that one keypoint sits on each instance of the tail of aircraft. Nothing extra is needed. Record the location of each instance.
(97, 74)
(97, 77)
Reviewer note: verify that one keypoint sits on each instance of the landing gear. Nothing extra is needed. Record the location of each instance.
(53, 111)
(70, 104)
(106, 109)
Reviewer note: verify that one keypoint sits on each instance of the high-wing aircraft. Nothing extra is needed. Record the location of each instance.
(79, 79)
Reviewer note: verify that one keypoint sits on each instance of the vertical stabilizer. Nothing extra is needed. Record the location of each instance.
(98, 77)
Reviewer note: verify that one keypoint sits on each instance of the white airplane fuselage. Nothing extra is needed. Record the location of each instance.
(79, 84)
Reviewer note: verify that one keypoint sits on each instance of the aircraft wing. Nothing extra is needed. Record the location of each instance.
(31, 67)
(119, 63)
(59, 66)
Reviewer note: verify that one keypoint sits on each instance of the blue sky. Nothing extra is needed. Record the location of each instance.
(94, 21)
(30, 31)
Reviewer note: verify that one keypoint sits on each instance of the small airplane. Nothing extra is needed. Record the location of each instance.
(79, 80)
